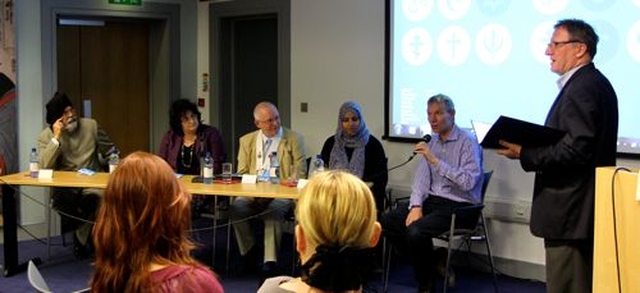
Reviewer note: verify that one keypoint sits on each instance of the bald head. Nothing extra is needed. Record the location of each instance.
(267, 118)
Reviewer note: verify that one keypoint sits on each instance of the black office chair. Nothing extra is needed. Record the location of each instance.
(479, 233)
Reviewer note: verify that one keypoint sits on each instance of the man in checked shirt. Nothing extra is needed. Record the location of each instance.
(449, 174)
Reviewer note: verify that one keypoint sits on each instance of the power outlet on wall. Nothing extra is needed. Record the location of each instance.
(520, 210)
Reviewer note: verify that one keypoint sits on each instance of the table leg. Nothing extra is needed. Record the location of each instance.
(10, 232)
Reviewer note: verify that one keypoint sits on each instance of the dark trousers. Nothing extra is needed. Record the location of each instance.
(415, 241)
(76, 203)
(569, 265)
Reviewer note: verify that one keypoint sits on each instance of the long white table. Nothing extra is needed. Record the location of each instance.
(99, 180)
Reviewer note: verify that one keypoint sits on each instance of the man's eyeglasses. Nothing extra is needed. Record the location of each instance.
(270, 120)
(555, 45)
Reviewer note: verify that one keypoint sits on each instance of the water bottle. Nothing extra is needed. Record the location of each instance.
(274, 168)
(207, 169)
(114, 160)
(34, 165)
(317, 166)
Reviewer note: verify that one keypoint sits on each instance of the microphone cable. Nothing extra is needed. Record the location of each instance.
(615, 224)
(399, 165)
(426, 138)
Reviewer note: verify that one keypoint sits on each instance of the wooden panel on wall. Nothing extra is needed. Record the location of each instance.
(115, 66)
(606, 244)
(109, 66)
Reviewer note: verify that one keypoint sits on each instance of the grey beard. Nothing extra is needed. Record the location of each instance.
(72, 126)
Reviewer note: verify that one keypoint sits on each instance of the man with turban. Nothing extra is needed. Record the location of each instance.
(69, 144)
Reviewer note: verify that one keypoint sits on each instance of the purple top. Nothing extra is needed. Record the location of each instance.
(185, 279)
(209, 140)
(458, 174)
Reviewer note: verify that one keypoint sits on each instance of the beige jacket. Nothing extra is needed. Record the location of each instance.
(290, 153)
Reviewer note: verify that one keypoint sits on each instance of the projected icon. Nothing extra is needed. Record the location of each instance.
(416, 10)
(454, 9)
(493, 44)
(550, 7)
(453, 45)
(416, 46)
(633, 41)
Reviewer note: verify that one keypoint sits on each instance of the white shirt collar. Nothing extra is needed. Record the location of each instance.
(566, 76)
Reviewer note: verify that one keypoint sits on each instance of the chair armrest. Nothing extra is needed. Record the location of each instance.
(399, 200)
(468, 209)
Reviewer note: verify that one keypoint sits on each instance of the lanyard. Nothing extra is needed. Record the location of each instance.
(265, 150)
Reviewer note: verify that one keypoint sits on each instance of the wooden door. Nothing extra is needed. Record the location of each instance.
(109, 67)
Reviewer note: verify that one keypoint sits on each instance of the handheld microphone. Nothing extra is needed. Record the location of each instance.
(426, 138)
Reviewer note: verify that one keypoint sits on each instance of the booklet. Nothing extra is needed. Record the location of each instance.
(520, 132)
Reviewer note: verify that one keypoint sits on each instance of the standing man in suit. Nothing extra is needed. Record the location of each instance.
(563, 197)
(254, 158)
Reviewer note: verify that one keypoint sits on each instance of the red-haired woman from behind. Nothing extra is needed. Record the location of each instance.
(141, 232)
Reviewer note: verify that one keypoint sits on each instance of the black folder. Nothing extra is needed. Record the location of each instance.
(520, 132)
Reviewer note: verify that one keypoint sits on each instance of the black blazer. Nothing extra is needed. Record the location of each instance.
(564, 189)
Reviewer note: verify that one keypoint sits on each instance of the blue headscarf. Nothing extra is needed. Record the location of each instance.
(339, 159)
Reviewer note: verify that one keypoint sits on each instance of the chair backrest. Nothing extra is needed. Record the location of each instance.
(2, 165)
(36, 280)
(308, 162)
(485, 183)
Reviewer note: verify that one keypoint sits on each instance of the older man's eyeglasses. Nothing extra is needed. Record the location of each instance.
(270, 120)
(555, 45)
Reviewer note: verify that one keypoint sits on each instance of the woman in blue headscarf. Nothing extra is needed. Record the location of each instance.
(355, 150)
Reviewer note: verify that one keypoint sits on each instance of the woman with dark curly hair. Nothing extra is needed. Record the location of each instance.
(188, 140)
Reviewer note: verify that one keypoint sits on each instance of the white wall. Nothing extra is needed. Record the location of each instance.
(29, 94)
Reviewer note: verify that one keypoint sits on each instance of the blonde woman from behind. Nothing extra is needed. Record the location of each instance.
(336, 229)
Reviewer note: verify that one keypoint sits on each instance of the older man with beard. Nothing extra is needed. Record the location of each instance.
(68, 144)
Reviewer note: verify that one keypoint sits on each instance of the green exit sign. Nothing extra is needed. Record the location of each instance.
(126, 2)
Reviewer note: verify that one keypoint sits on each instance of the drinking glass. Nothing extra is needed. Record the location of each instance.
(227, 170)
